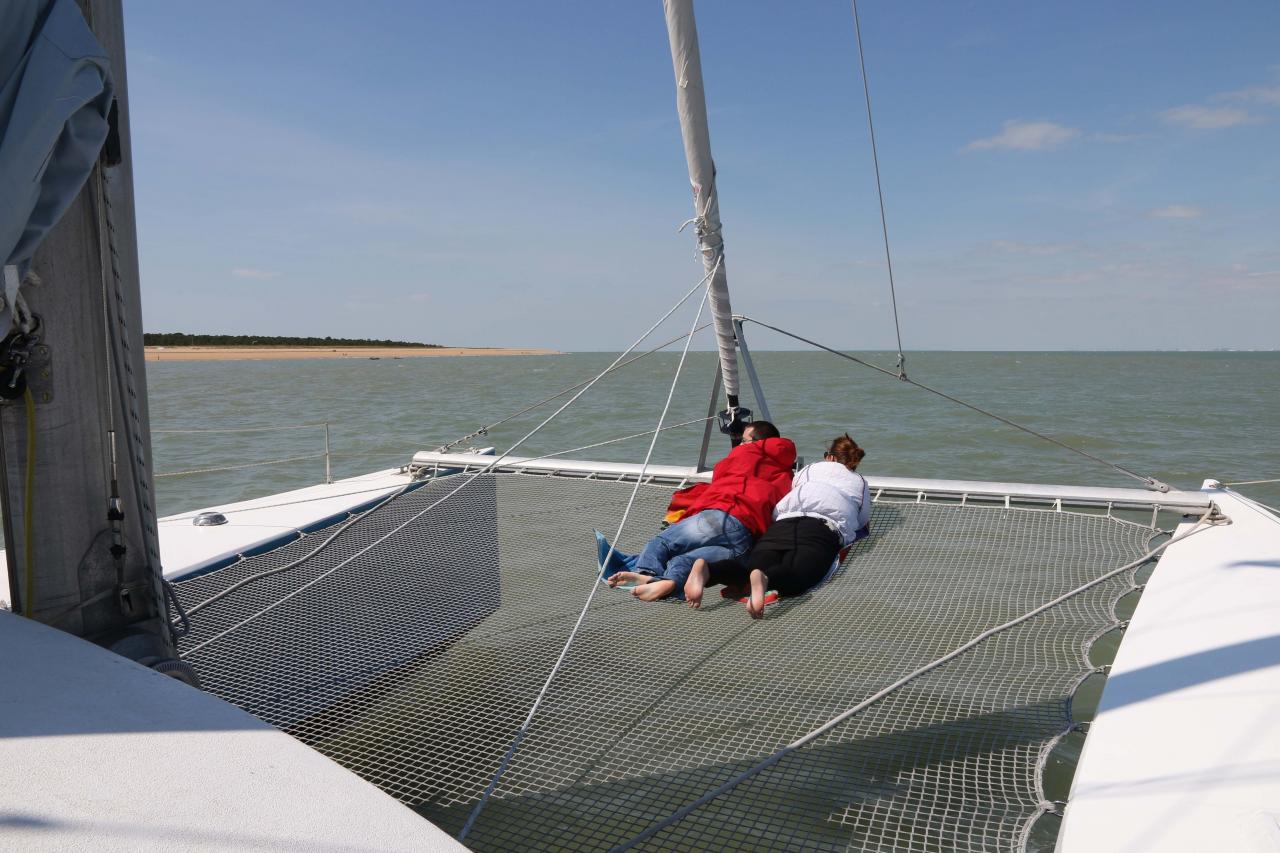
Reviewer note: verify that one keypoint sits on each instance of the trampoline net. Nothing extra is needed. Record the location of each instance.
(415, 664)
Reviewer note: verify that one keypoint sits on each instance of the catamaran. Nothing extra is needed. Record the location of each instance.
(434, 636)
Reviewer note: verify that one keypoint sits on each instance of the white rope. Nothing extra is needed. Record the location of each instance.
(488, 468)
(240, 467)
(773, 759)
(595, 586)
(1255, 502)
(242, 429)
(1251, 483)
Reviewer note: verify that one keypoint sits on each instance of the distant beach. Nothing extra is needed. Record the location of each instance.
(267, 353)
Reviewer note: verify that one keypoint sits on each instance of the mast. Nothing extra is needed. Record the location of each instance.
(85, 559)
(691, 104)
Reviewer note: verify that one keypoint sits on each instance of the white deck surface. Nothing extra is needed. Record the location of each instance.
(1184, 754)
(100, 754)
(185, 548)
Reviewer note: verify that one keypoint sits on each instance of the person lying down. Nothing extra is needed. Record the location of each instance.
(827, 509)
(722, 518)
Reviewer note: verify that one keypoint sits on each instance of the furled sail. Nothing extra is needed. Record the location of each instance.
(692, 106)
(55, 98)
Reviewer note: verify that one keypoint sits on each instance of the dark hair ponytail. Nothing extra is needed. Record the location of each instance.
(846, 451)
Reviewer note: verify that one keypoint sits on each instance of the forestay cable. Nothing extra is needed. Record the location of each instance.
(595, 586)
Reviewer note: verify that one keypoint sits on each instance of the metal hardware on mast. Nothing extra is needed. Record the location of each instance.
(692, 107)
(711, 413)
(751, 369)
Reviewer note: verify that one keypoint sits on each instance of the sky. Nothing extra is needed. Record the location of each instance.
(1093, 175)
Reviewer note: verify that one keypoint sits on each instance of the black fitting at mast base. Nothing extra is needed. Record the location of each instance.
(733, 421)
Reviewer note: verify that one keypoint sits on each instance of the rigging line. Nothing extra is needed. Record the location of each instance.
(1205, 520)
(485, 470)
(240, 429)
(240, 467)
(1251, 482)
(623, 438)
(595, 586)
(1151, 482)
(485, 430)
(174, 519)
(135, 444)
(884, 221)
(1255, 502)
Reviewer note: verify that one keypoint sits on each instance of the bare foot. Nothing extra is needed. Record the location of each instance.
(625, 578)
(759, 586)
(696, 583)
(655, 590)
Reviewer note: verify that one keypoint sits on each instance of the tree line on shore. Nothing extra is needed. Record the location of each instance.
(182, 339)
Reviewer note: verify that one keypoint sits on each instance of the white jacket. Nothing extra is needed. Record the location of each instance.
(832, 492)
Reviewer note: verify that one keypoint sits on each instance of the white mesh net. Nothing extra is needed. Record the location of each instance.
(416, 664)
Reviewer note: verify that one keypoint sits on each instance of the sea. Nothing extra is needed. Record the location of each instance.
(1180, 417)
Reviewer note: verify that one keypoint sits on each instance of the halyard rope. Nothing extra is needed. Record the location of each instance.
(1151, 482)
(595, 585)
(485, 470)
(769, 761)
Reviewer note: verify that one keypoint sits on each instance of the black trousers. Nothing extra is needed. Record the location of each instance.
(794, 553)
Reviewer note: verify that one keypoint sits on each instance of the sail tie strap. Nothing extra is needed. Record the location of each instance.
(1211, 517)
(595, 586)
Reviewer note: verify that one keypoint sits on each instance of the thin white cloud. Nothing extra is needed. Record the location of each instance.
(1114, 138)
(1206, 118)
(1027, 136)
(1176, 211)
(1013, 247)
(1269, 95)
(249, 272)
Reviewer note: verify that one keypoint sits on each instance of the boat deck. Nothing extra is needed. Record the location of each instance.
(1184, 754)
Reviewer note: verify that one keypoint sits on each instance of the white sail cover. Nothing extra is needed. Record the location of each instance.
(692, 106)
(55, 96)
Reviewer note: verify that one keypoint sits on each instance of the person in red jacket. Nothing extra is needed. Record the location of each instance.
(724, 516)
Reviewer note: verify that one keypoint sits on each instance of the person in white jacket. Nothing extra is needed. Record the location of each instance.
(827, 509)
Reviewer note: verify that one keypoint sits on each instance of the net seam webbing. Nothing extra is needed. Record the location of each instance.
(777, 756)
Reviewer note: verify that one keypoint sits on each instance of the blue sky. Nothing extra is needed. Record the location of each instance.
(1082, 176)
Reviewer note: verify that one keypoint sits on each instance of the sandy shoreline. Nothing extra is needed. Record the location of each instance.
(267, 353)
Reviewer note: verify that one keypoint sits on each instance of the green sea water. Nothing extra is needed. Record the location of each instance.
(1180, 417)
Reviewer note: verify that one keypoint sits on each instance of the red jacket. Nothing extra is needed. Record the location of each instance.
(747, 484)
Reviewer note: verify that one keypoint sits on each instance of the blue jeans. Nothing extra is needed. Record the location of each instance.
(710, 535)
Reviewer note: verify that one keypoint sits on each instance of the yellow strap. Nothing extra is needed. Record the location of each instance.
(28, 502)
